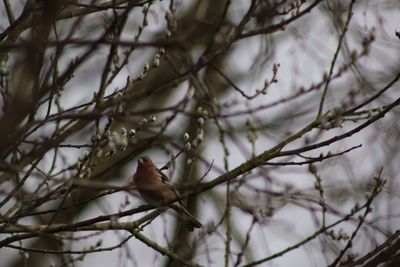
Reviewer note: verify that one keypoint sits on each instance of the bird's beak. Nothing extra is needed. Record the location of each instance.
(140, 160)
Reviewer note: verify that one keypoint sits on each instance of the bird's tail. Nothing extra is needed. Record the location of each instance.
(190, 221)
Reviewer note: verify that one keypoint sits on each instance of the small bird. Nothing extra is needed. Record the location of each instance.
(154, 187)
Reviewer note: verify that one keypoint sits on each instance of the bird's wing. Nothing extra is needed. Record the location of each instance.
(165, 180)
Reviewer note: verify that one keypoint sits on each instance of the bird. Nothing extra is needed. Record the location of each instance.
(154, 187)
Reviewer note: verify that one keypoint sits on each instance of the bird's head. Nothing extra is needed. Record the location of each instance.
(145, 162)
